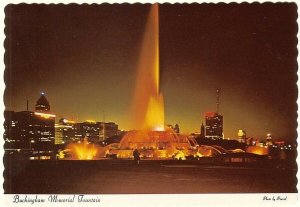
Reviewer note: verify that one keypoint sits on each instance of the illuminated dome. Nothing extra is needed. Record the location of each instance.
(42, 104)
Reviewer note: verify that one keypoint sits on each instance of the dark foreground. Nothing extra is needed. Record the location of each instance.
(122, 176)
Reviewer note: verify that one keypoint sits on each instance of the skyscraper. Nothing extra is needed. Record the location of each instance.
(108, 129)
(202, 131)
(213, 125)
(42, 104)
(95, 131)
(269, 141)
(29, 130)
(65, 131)
(176, 129)
(241, 136)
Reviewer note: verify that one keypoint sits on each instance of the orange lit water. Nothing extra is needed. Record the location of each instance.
(83, 150)
(148, 103)
(150, 138)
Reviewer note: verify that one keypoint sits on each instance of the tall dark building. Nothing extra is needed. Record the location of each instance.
(202, 131)
(213, 125)
(42, 104)
(176, 129)
(65, 132)
(29, 130)
(89, 129)
(95, 131)
(107, 129)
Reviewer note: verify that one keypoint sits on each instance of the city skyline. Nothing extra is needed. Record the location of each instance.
(87, 63)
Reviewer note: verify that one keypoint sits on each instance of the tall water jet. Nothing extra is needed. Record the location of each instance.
(151, 139)
(148, 104)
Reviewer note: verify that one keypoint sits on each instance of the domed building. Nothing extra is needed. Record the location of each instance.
(42, 104)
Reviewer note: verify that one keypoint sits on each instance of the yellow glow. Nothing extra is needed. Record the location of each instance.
(154, 119)
(155, 114)
(148, 106)
(258, 150)
(156, 39)
(68, 121)
(154, 144)
(46, 116)
(241, 133)
(83, 150)
(90, 121)
(198, 154)
(180, 156)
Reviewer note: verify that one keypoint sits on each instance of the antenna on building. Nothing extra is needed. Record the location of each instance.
(103, 125)
(218, 100)
(27, 105)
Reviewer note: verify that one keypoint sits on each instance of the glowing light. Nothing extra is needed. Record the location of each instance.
(155, 114)
(153, 144)
(82, 151)
(158, 128)
(61, 155)
(258, 150)
(180, 156)
(148, 105)
(241, 133)
(90, 121)
(68, 121)
(46, 116)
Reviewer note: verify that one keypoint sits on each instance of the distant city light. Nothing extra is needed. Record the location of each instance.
(91, 121)
(68, 121)
(46, 116)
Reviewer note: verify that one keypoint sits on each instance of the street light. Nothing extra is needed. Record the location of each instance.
(31, 142)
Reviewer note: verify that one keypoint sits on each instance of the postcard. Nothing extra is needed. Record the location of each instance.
(152, 104)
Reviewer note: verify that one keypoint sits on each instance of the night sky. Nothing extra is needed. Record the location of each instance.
(85, 59)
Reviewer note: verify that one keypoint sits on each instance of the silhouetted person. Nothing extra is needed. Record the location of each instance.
(136, 156)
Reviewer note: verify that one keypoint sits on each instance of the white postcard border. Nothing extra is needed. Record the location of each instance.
(144, 200)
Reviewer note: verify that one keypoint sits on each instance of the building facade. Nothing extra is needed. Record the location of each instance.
(202, 131)
(241, 136)
(28, 130)
(213, 125)
(107, 129)
(42, 104)
(95, 131)
(65, 132)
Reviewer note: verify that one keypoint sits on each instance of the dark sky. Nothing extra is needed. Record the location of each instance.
(85, 59)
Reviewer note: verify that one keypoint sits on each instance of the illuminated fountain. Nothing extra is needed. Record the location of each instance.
(148, 104)
(151, 139)
(155, 145)
(82, 150)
